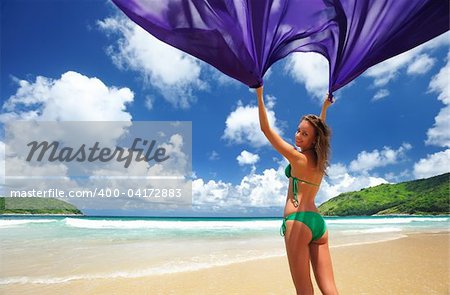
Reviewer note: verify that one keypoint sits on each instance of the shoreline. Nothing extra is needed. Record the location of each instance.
(399, 266)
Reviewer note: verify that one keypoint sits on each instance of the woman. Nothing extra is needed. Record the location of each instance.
(304, 229)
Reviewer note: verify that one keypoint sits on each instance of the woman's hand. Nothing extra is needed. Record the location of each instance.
(326, 103)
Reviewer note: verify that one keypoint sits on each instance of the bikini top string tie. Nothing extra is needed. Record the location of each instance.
(295, 190)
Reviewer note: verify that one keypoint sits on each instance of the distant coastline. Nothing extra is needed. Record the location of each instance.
(29, 206)
(429, 196)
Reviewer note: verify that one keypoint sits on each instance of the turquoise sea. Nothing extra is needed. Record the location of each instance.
(52, 250)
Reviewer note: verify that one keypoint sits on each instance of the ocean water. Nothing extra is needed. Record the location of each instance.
(54, 250)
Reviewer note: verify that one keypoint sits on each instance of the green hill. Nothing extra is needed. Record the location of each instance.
(430, 196)
(36, 206)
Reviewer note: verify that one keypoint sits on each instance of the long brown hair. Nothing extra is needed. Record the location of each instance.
(322, 146)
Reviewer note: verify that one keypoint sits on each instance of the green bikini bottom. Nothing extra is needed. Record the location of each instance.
(311, 219)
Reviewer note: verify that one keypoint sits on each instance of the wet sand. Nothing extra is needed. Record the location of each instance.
(416, 264)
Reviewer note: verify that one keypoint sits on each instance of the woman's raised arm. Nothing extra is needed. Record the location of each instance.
(284, 148)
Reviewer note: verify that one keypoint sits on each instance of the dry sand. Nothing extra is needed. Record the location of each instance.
(417, 264)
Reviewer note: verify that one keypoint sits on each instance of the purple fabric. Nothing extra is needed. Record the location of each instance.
(243, 38)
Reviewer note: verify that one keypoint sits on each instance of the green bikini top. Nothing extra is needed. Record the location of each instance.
(295, 180)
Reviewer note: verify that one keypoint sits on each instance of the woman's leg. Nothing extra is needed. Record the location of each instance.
(297, 238)
(322, 266)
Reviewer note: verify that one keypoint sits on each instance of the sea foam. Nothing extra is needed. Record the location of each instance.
(386, 220)
(16, 222)
(171, 224)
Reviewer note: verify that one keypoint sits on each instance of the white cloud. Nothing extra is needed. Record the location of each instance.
(212, 192)
(398, 177)
(264, 190)
(367, 161)
(255, 190)
(73, 97)
(175, 74)
(214, 156)
(2, 163)
(178, 163)
(247, 158)
(269, 188)
(340, 180)
(439, 134)
(268, 74)
(310, 69)
(435, 164)
(382, 93)
(416, 61)
(356, 175)
(149, 102)
(440, 83)
(242, 124)
(386, 71)
(421, 65)
(442, 40)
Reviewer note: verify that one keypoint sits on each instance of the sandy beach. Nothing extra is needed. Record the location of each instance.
(416, 264)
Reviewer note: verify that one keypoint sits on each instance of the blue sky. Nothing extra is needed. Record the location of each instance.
(389, 125)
